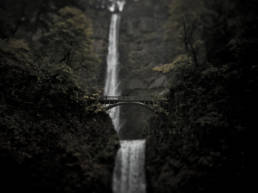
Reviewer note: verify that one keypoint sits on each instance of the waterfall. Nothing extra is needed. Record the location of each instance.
(111, 83)
(129, 176)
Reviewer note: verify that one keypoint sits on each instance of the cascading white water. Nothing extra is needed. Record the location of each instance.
(112, 84)
(129, 176)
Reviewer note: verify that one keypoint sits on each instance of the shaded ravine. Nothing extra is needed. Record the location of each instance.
(129, 173)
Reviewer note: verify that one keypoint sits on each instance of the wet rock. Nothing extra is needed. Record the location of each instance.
(136, 84)
(161, 82)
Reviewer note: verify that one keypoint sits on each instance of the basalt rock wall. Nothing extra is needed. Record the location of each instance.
(142, 46)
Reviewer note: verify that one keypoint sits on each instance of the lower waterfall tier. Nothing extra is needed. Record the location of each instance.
(129, 173)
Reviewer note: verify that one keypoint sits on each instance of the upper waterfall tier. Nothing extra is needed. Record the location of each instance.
(116, 5)
(112, 79)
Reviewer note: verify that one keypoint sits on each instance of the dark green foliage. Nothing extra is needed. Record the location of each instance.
(202, 145)
(69, 43)
(51, 140)
(20, 15)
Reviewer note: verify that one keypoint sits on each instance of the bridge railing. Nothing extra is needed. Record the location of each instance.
(131, 98)
(156, 104)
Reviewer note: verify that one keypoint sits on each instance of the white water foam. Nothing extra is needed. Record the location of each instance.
(116, 5)
(129, 173)
(111, 83)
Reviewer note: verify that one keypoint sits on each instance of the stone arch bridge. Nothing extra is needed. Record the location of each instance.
(151, 103)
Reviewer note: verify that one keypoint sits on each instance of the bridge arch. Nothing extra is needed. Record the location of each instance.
(130, 103)
(110, 102)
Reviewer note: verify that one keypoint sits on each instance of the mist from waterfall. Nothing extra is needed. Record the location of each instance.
(129, 173)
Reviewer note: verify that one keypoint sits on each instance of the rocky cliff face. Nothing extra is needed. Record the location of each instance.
(142, 44)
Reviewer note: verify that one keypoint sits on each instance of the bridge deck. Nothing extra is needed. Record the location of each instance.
(144, 99)
(113, 101)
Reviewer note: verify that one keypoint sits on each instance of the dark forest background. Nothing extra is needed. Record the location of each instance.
(52, 141)
(202, 145)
